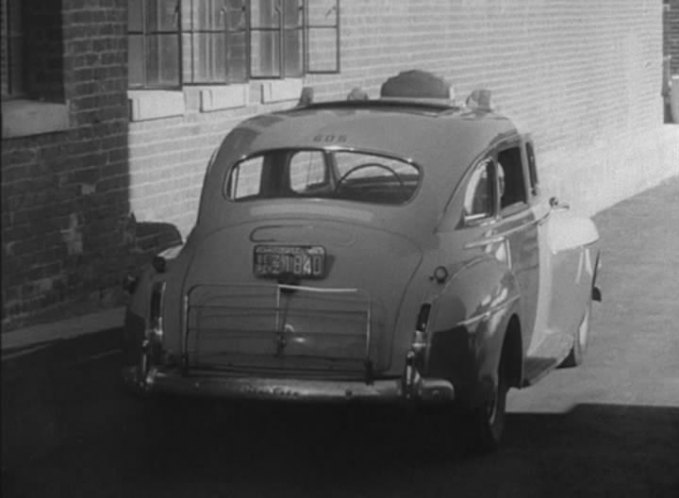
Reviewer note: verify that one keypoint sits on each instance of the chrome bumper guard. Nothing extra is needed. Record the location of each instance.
(222, 386)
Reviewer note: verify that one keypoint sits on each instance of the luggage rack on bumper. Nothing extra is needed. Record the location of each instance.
(219, 318)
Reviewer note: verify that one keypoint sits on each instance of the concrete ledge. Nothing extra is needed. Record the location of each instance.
(22, 118)
(65, 329)
(281, 90)
(224, 97)
(155, 104)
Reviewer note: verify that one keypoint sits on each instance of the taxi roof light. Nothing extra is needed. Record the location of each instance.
(480, 99)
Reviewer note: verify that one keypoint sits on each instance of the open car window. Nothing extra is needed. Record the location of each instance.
(326, 174)
(511, 179)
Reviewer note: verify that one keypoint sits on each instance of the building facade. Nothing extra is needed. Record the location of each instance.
(112, 108)
(671, 34)
(64, 153)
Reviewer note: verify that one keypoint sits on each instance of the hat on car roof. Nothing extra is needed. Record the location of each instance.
(416, 84)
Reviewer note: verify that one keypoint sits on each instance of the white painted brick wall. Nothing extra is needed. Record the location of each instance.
(583, 77)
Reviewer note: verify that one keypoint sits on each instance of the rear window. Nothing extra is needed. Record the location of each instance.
(336, 174)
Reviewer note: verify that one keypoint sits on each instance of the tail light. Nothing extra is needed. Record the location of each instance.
(152, 347)
(416, 356)
(419, 343)
(156, 309)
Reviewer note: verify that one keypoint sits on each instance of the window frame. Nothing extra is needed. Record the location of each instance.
(280, 46)
(490, 163)
(32, 105)
(15, 34)
(187, 47)
(145, 36)
(308, 27)
(228, 32)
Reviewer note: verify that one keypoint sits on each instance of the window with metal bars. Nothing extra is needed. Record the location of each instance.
(32, 50)
(215, 36)
(276, 37)
(154, 43)
(183, 42)
(13, 67)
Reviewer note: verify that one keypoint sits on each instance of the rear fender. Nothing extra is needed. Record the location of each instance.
(137, 313)
(468, 324)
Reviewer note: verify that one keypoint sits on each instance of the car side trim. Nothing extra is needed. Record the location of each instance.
(500, 237)
(488, 313)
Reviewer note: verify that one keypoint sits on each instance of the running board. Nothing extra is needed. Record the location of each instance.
(547, 356)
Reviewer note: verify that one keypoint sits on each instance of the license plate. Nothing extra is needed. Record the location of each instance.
(300, 261)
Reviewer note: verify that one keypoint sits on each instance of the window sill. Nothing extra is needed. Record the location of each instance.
(217, 98)
(281, 90)
(155, 104)
(147, 105)
(21, 118)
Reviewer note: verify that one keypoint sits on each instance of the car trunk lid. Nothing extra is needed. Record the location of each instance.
(341, 323)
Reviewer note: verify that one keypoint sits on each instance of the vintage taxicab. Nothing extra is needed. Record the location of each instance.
(395, 249)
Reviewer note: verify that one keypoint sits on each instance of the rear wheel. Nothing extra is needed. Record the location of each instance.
(487, 421)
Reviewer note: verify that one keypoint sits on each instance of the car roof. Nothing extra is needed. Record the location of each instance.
(433, 133)
(439, 137)
(410, 128)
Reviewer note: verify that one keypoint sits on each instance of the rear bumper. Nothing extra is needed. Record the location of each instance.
(208, 384)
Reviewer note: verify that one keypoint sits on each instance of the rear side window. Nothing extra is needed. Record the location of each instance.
(246, 180)
(346, 175)
(478, 197)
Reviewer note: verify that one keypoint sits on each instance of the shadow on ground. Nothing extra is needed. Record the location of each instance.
(106, 443)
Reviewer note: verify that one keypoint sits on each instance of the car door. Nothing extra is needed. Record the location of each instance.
(517, 225)
(566, 267)
(541, 212)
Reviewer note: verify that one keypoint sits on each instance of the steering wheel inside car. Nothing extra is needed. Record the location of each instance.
(353, 170)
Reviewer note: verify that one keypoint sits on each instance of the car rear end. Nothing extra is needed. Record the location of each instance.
(298, 283)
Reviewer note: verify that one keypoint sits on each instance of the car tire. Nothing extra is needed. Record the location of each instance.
(577, 352)
(488, 420)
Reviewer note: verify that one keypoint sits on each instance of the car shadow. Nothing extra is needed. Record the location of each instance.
(590, 450)
(69, 429)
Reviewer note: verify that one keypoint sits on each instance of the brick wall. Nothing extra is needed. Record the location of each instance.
(4, 50)
(584, 77)
(64, 194)
(671, 35)
(45, 49)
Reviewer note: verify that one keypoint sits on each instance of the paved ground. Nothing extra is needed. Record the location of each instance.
(634, 349)
(608, 428)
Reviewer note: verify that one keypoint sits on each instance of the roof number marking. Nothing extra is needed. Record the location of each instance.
(330, 138)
